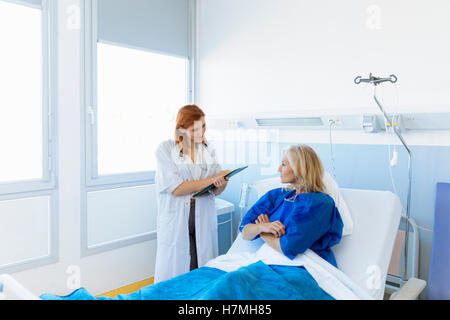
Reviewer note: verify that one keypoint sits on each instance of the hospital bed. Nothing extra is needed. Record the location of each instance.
(363, 257)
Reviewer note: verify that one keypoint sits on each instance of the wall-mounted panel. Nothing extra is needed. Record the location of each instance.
(120, 214)
(24, 230)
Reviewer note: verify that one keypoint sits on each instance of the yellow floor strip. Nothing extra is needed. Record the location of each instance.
(128, 289)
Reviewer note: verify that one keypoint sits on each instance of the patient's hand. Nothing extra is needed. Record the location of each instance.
(272, 241)
(276, 228)
(262, 219)
(262, 224)
(266, 236)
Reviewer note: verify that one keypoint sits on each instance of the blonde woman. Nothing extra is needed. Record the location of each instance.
(300, 217)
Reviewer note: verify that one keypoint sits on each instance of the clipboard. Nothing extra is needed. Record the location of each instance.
(212, 186)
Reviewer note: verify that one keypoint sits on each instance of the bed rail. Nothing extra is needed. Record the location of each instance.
(11, 289)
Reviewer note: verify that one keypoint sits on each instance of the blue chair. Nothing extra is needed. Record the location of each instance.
(439, 277)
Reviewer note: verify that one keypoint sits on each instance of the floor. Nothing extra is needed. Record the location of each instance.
(128, 289)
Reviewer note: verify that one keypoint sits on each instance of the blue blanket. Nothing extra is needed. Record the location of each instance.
(257, 281)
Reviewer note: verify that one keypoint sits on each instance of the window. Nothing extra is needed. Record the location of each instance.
(137, 77)
(25, 164)
(135, 100)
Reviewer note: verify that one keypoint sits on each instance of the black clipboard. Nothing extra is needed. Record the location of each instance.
(212, 186)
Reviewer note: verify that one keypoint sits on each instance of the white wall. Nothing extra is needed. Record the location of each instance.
(288, 55)
(101, 272)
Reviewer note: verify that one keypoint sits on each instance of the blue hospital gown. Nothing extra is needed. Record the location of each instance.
(311, 221)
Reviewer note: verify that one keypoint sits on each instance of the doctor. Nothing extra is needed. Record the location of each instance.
(186, 227)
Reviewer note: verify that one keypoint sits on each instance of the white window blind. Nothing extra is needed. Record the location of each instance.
(157, 25)
(30, 3)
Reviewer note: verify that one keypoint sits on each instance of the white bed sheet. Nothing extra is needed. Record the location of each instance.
(330, 279)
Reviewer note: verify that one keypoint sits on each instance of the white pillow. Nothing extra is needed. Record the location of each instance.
(341, 205)
(263, 186)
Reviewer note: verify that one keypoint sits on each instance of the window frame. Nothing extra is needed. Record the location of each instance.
(48, 180)
(47, 185)
(90, 107)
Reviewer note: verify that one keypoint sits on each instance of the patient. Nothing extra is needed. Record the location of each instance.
(292, 220)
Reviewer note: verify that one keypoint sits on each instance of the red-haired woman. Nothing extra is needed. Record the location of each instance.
(186, 227)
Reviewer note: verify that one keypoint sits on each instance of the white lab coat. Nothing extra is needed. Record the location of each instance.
(173, 168)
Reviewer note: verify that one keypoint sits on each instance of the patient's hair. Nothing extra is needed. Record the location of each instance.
(186, 118)
(307, 168)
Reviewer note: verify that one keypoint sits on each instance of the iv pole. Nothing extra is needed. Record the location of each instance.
(393, 79)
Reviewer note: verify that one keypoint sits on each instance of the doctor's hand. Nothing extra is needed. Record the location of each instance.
(220, 182)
